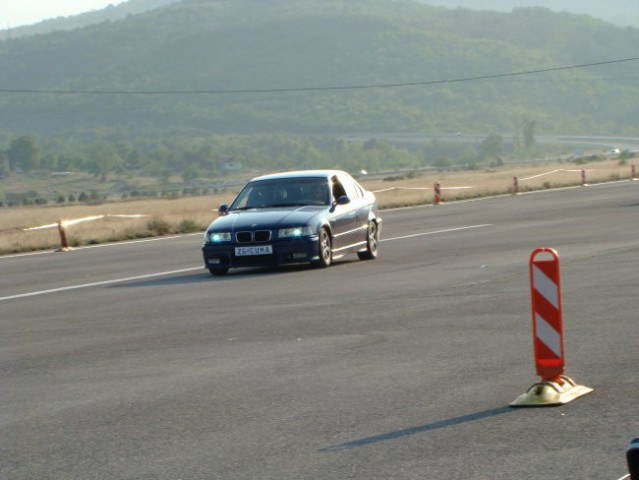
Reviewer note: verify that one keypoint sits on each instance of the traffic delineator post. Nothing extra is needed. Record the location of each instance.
(437, 189)
(64, 245)
(633, 172)
(515, 186)
(584, 183)
(547, 318)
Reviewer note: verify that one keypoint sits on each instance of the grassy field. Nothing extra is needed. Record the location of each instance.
(108, 222)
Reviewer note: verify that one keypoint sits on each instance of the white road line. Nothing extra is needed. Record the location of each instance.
(191, 269)
(96, 284)
(435, 232)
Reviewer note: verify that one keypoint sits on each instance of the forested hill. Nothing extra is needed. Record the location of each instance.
(620, 12)
(236, 66)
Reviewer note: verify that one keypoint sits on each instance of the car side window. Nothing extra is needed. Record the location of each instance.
(351, 189)
(359, 190)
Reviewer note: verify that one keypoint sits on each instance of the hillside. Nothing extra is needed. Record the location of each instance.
(619, 12)
(228, 66)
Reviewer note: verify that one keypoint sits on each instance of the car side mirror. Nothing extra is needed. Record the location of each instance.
(222, 210)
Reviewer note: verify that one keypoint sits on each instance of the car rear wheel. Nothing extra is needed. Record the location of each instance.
(218, 271)
(372, 240)
(325, 249)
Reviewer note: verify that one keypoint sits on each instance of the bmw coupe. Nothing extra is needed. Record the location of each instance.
(313, 216)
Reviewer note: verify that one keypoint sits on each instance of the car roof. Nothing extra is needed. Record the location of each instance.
(300, 174)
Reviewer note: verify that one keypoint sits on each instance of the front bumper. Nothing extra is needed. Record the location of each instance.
(285, 251)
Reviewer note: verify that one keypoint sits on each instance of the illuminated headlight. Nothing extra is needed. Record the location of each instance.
(295, 232)
(217, 237)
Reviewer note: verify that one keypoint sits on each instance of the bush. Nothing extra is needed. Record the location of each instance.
(159, 227)
(189, 226)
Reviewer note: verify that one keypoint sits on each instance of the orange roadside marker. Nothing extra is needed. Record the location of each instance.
(548, 338)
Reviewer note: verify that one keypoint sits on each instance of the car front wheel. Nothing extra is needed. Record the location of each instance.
(325, 249)
(372, 240)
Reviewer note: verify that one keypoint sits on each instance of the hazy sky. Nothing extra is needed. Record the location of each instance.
(14, 13)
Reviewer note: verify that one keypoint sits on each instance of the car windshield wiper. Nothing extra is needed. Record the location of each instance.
(289, 205)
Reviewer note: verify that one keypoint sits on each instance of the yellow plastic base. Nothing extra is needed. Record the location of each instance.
(551, 394)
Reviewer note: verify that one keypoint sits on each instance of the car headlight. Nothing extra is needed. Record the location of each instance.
(294, 232)
(217, 237)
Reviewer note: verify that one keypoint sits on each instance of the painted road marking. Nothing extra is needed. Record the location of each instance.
(192, 269)
(97, 284)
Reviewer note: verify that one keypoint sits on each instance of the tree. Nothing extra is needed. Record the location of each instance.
(528, 128)
(4, 165)
(524, 136)
(190, 173)
(24, 154)
(491, 147)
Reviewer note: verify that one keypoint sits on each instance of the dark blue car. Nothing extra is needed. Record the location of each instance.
(314, 216)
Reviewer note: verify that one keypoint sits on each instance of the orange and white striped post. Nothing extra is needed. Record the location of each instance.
(547, 315)
(548, 336)
(64, 245)
(437, 191)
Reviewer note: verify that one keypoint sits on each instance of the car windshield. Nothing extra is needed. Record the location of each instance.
(288, 192)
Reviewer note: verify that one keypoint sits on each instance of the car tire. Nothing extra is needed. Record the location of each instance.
(372, 242)
(324, 249)
(217, 272)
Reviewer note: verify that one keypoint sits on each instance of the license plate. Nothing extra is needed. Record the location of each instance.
(257, 250)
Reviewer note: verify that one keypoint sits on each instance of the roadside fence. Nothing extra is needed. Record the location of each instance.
(61, 224)
(438, 188)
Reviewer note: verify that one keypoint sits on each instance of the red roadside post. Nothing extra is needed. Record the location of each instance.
(64, 246)
(547, 315)
(548, 335)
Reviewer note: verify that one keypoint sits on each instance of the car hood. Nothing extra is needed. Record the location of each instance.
(267, 218)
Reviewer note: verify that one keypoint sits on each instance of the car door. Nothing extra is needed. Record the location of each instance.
(343, 218)
(359, 207)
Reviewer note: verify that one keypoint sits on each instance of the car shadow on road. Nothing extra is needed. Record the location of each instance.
(384, 437)
(233, 275)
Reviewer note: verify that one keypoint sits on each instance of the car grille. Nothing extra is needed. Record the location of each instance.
(257, 236)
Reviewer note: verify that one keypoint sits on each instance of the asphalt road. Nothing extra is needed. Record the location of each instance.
(131, 362)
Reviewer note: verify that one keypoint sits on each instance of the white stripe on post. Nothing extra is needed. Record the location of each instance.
(545, 286)
(548, 335)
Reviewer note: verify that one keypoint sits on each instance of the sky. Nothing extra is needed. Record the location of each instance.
(15, 13)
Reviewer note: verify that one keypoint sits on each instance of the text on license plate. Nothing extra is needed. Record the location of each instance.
(256, 250)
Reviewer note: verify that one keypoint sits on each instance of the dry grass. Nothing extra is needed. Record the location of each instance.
(166, 216)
